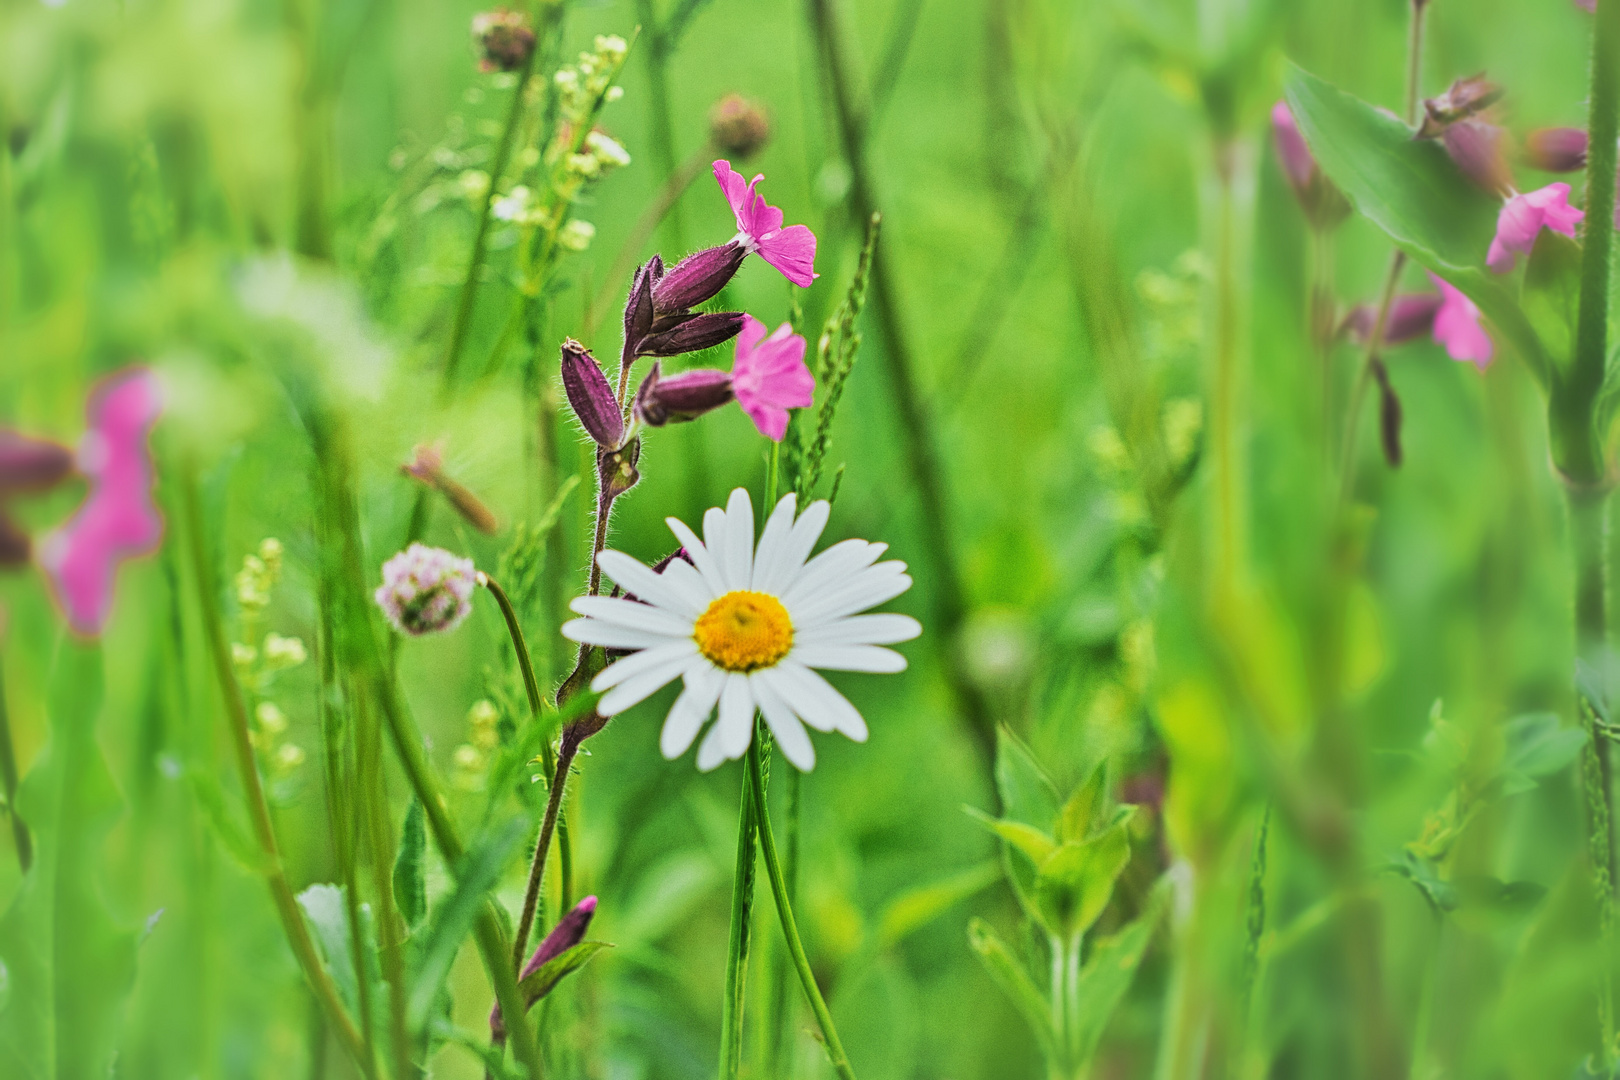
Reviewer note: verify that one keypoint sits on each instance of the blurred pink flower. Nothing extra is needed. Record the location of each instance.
(1589, 5)
(759, 228)
(1457, 327)
(118, 519)
(1523, 218)
(769, 376)
(1296, 157)
(426, 590)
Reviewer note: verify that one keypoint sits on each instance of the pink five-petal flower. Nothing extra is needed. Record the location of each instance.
(1523, 218)
(118, 518)
(1457, 327)
(769, 376)
(759, 228)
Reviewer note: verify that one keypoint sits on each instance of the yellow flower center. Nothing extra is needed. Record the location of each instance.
(744, 631)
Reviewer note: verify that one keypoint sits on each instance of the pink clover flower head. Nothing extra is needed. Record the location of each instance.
(769, 376)
(426, 590)
(1523, 218)
(118, 518)
(1457, 327)
(759, 228)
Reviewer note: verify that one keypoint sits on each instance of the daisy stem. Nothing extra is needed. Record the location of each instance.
(790, 928)
(742, 908)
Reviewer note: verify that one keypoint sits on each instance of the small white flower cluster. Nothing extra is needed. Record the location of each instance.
(259, 660)
(426, 590)
(520, 206)
(581, 85)
(472, 756)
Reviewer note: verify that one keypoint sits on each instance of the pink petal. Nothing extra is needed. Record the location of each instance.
(1457, 326)
(793, 252)
(770, 376)
(1523, 218)
(118, 518)
(1291, 149)
(737, 192)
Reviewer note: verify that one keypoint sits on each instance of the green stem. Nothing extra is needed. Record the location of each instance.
(1414, 59)
(292, 917)
(1425, 1007)
(742, 906)
(390, 926)
(537, 867)
(8, 778)
(784, 909)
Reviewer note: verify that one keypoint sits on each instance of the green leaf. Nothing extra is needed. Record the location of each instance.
(1036, 845)
(1538, 744)
(69, 964)
(1010, 975)
(450, 923)
(1107, 976)
(537, 984)
(1551, 294)
(1410, 188)
(1073, 886)
(920, 906)
(410, 888)
(328, 918)
(222, 820)
(1084, 806)
(1027, 795)
(1492, 894)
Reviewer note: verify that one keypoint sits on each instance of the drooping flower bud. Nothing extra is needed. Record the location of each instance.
(1389, 415)
(426, 590)
(569, 931)
(1557, 150)
(681, 397)
(692, 334)
(1463, 99)
(31, 465)
(1411, 316)
(616, 469)
(697, 278)
(427, 465)
(738, 127)
(590, 396)
(504, 38)
(1475, 147)
(1324, 206)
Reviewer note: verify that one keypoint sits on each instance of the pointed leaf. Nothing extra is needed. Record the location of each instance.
(1036, 845)
(1107, 976)
(1026, 793)
(918, 907)
(1073, 886)
(410, 889)
(1010, 975)
(1084, 806)
(537, 984)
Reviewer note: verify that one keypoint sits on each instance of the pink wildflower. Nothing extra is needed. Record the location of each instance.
(759, 228)
(1295, 156)
(769, 376)
(426, 590)
(1523, 218)
(1457, 326)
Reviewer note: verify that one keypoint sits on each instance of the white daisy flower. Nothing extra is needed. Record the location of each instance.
(743, 628)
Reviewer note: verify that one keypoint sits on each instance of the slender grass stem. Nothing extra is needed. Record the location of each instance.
(390, 929)
(660, 47)
(537, 868)
(742, 905)
(663, 203)
(292, 917)
(8, 783)
(784, 910)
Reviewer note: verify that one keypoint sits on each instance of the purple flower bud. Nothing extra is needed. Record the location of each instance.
(738, 127)
(638, 308)
(1557, 150)
(697, 278)
(703, 331)
(1389, 415)
(15, 546)
(1475, 147)
(569, 931)
(1411, 316)
(616, 468)
(1324, 206)
(31, 465)
(686, 396)
(590, 395)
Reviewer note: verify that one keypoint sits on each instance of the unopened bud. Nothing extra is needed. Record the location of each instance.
(738, 127)
(616, 469)
(505, 40)
(1389, 415)
(1411, 316)
(31, 465)
(703, 331)
(590, 396)
(1463, 99)
(638, 307)
(697, 278)
(1556, 150)
(569, 931)
(427, 465)
(15, 546)
(681, 397)
(1324, 206)
(1475, 147)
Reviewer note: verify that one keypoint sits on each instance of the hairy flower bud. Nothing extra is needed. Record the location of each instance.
(26, 466)
(569, 931)
(427, 466)
(1557, 150)
(681, 397)
(738, 127)
(504, 38)
(703, 331)
(426, 590)
(590, 396)
(1411, 316)
(1475, 147)
(697, 278)
(638, 308)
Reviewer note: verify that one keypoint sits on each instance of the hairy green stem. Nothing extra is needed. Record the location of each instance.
(784, 910)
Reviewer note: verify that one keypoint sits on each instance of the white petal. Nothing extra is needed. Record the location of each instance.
(637, 577)
(834, 566)
(709, 755)
(684, 576)
(636, 663)
(731, 734)
(814, 699)
(691, 709)
(740, 540)
(849, 658)
(611, 635)
(622, 612)
(789, 732)
(773, 541)
(880, 629)
(708, 567)
(871, 587)
(801, 541)
(640, 687)
(715, 538)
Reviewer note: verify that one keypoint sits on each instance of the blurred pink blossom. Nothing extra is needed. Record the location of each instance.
(118, 518)
(759, 228)
(1589, 5)
(1296, 157)
(769, 376)
(1523, 218)
(1457, 327)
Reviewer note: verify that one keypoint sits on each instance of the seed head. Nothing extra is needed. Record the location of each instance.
(504, 38)
(739, 127)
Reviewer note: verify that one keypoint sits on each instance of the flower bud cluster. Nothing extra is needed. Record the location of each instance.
(504, 39)
(483, 736)
(580, 86)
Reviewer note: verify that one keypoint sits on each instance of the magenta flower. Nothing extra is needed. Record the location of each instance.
(759, 228)
(1457, 327)
(769, 376)
(1523, 218)
(569, 931)
(1295, 156)
(426, 590)
(118, 519)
